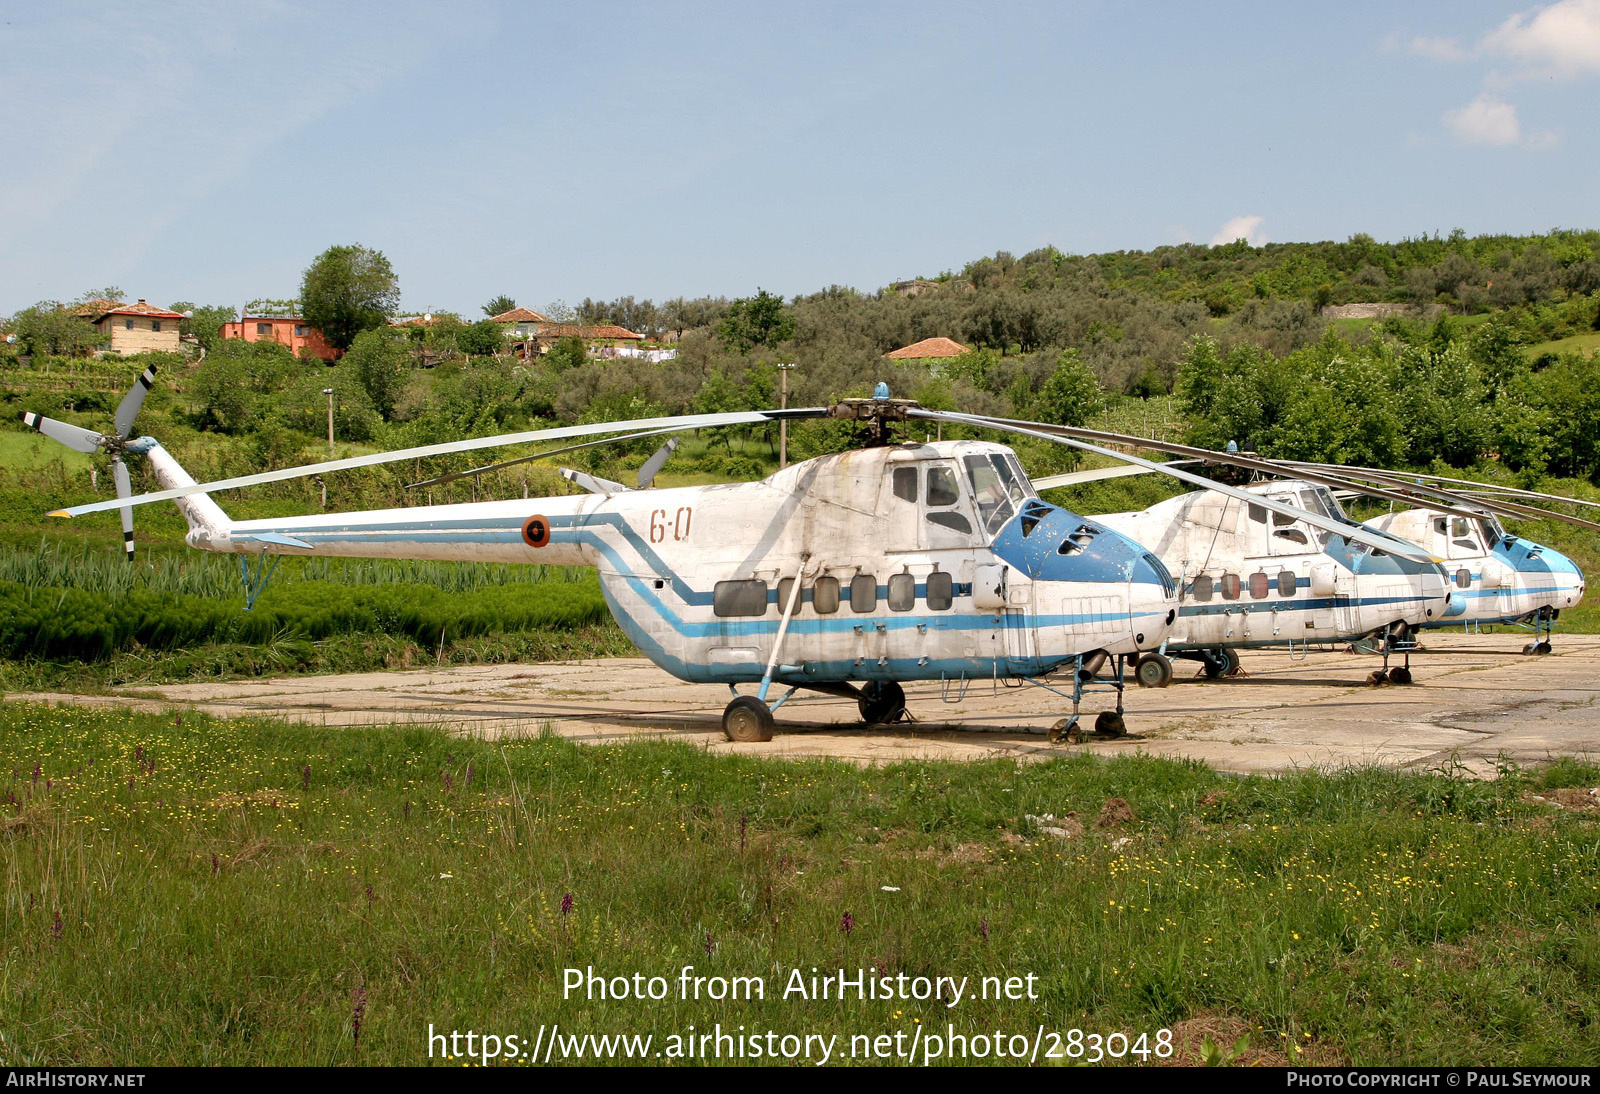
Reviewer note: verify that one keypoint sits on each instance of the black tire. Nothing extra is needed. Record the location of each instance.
(1377, 678)
(1110, 724)
(1153, 671)
(1542, 648)
(1221, 662)
(747, 720)
(1400, 675)
(881, 702)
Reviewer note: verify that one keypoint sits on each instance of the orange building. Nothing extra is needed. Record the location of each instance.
(286, 330)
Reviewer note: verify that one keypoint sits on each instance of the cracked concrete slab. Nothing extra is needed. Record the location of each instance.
(1476, 697)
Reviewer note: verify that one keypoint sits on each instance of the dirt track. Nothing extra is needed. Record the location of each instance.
(1475, 697)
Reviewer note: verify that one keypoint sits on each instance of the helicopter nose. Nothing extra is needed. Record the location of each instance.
(1152, 611)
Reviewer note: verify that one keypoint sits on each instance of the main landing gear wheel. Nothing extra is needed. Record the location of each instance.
(747, 720)
(1378, 677)
(1538, 649)
(881, 702)
(1399, 675)
(1153, 671)
(1110, 724)
(1223, 662)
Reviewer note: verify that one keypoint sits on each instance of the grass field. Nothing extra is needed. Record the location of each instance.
(190, 891)
(1578, 343)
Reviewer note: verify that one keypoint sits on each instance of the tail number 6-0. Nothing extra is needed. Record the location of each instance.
(675, 525)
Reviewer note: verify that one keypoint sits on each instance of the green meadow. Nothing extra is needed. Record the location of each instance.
(180, 890)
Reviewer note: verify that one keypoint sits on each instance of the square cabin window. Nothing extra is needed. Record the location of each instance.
(1260, 586)
(785, 590)
(1230, 586)
(735, 598)
(825, 595)
(1201, 589)
(863, 593)
(902, 593)
(941, 592)
(905, 483)
(941, 486)
(1286, 583)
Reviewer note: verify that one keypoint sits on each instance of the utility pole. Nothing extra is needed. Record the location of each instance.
(328, 391)
(783, 423)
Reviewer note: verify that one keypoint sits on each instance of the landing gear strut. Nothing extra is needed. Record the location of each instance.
(1107, 724)
(1544, 623)
(1397, 640)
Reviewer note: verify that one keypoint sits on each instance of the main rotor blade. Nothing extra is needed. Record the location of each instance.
(685, 421)
(1425, 495)
(119, 472)
(454, 475)
(652, 467)
(74, 437)
(1361, 534)
(1095, 474)
(1231, 459)
(128, 409)
(1467, 485)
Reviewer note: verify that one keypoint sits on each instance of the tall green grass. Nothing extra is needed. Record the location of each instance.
(191, 891)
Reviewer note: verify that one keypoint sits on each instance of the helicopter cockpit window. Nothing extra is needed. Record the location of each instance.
(953, 521)
(825, 595)
(1293, 535)
(1319, 499)
(941, 591)
(863, 593)
(998, 487)
(905, 483)
(902, 592)
(1258, 513)
(1458, 526)
(942, 488)
(1467, 544)
(1492, 531)
(734, 598)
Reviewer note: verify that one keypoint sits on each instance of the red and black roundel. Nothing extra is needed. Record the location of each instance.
(536, 531)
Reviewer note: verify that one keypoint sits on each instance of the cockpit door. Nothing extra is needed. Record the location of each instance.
(1285, 535)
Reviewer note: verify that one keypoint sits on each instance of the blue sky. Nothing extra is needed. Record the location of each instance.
(208, 152)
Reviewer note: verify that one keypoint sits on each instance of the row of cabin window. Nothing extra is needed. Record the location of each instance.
(1228, 585)
(746, 598)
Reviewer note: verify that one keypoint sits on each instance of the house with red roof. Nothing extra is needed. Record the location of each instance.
(133, 328)
(520, 322)
(928, 348)
(287, 330)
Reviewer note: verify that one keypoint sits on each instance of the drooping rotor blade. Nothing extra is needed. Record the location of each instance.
(128, 409)
(119, 473)
(592, 483)
(1429, 497)
(1467, 486)
(1230, 459)
(652, 467)
(74, 437)
(454, 475)
(1351, 531)
(1072, 478)
(682, 422)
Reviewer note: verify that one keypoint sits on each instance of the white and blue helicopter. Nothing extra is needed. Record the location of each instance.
(1498, 577)
(846, 574)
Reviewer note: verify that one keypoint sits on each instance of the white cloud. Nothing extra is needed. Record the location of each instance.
(1485, 120)
(1245, 228)
(1561, 40)
(1439, 49)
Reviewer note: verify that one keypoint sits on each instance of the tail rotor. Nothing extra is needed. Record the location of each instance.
(115, 443)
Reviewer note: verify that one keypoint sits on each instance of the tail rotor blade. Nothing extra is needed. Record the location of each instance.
(653, 466)
(128, 409)
(74, 437)
(119, 472)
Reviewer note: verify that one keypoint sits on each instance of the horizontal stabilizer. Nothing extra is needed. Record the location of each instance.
(592, 483)
(273, 538)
